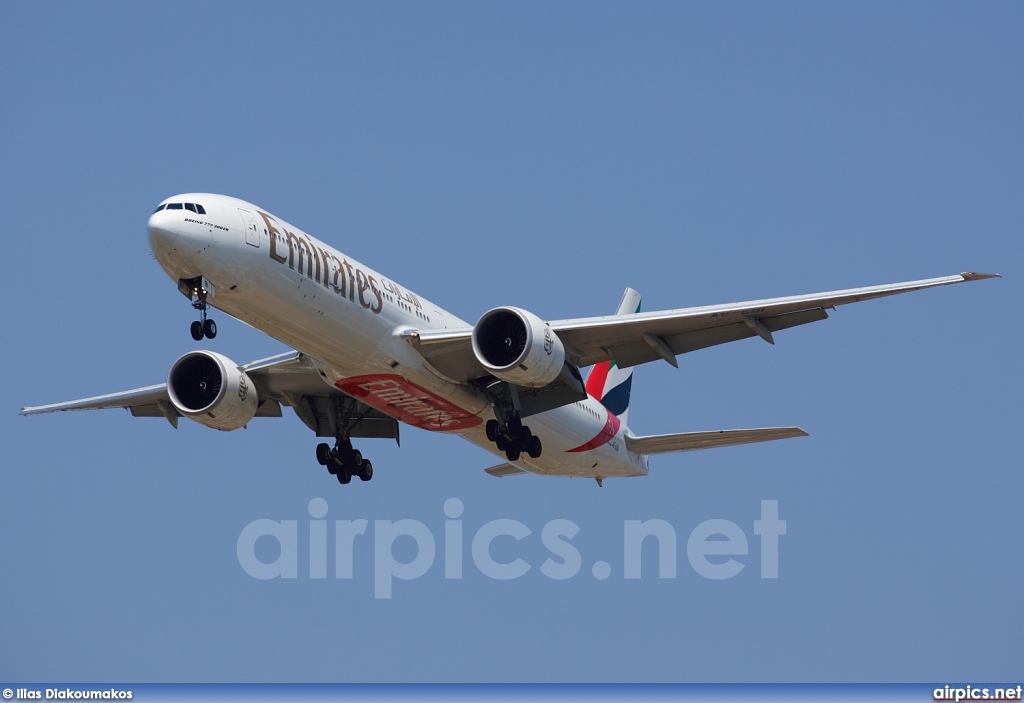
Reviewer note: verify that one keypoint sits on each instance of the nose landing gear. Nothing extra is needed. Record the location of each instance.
(198, 290)
(204, 326)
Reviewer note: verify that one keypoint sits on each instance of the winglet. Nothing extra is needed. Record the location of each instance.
(972, 276)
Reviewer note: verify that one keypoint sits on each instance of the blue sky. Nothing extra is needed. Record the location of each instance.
(546, 156)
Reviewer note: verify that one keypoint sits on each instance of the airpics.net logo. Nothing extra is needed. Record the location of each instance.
(716, 549)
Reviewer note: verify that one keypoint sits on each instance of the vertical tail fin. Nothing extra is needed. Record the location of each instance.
(607, 382)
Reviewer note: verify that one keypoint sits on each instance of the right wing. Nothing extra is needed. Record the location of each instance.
(286, 379)
(687, 441)
(136, 400)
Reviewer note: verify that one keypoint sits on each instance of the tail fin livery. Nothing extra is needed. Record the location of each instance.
(607, 382)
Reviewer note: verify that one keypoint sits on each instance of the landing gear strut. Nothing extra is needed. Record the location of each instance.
(198, 290)
(507, 430)
(343, 417)
(343, 461)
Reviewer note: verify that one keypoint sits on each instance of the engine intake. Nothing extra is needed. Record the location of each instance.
(518, 347)
(212, 390)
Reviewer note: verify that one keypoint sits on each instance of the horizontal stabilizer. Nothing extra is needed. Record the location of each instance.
(687, 441)
(504, 470)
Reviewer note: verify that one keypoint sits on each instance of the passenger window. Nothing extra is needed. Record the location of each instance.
(190, 206)
(174, 206)
(200, 209)
(160, 208)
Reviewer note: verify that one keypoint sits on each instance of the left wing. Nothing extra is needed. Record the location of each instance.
(286, 379)
(643, 337)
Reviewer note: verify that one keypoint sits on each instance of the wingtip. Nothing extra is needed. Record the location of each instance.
(972, 276)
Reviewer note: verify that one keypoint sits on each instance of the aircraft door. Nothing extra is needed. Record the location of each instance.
(252, 230)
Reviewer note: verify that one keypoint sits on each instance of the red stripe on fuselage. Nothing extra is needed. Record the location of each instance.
(408, 402)
(611, 427)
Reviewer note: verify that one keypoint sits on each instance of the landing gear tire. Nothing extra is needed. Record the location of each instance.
(515, 427)
(343, 462)
(514, 438)
(197, 330)
(366, 471)
(209, 329)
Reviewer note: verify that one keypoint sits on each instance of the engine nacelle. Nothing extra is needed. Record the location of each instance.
(518, 347)
(210, 388)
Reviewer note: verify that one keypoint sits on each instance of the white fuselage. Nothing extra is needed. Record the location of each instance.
(348, 318)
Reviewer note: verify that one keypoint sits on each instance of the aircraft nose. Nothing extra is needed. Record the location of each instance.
(163, 228)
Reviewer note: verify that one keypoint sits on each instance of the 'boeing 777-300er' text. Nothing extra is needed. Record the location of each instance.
(370, 354)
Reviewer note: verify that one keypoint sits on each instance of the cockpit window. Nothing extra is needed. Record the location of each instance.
(194, 207)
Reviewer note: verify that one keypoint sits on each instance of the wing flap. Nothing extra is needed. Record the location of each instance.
(689, 441)
(145, 410)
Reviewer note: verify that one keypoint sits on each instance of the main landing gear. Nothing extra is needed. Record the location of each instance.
(513, 438)
(343, 461)
(507, 430)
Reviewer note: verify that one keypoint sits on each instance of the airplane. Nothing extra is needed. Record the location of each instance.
(370, 355)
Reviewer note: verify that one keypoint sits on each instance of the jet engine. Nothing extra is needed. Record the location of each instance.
(518, 347)
(212, 390)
